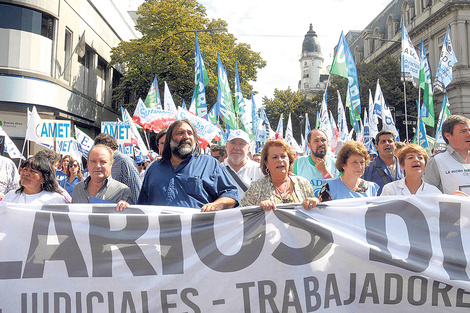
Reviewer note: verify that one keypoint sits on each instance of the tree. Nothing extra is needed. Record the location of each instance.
(285, 102)
(166, 49)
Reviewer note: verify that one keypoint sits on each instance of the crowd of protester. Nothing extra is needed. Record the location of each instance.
(182, 175)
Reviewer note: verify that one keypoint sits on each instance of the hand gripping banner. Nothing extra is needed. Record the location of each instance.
(385, 254)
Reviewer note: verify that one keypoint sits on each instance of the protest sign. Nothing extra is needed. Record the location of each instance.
(384, 254)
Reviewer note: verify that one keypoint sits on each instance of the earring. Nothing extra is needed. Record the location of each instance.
(267, 170)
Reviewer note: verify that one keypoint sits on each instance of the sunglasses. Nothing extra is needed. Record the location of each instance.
(73, 165)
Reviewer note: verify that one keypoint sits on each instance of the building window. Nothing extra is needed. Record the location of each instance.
(101, 69)
(67, 54)
(115, 83)
(306, 74)
(306, 86)
(24, 19)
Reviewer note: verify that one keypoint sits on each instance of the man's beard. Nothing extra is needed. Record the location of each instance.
(320, 155)
(180, 150)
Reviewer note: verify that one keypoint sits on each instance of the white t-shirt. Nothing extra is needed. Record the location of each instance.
(43, 197)
(250, 172)
(398, 188)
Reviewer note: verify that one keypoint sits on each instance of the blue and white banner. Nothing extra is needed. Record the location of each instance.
(382, 254)
(446, 62)
(410, 62)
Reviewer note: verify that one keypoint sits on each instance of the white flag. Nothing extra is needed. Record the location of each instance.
(10, 146)
(373, 120)
(135, 136)
(85, 143)
(290, 136)
(34, 122)
(169, 104)
(389, 123)
(410, 63)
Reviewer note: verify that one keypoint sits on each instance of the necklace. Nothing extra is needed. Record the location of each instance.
(286, 189)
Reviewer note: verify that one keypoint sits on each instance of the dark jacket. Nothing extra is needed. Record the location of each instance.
(371, 173)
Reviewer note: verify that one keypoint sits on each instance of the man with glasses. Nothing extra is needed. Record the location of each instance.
(219, 153)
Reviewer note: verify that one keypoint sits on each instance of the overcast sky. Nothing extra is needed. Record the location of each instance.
(276, 29)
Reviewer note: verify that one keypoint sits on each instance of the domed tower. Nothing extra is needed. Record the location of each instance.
(311, 63)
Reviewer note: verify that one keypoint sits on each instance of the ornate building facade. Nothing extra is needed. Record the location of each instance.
(40, 64)
(427, 19)
(311, 63)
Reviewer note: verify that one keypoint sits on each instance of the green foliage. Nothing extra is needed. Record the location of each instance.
(166, 49)
(288, 101)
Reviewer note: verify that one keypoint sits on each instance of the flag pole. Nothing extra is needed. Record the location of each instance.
(406, 111)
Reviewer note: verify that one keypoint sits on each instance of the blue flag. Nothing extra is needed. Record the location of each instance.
(446, 62)
(198, 101)
(307, 131)
(254, 115)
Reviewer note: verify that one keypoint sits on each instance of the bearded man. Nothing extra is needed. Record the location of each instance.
(318, 166)
(185, 178)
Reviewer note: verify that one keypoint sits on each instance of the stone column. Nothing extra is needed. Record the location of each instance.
(460, 42)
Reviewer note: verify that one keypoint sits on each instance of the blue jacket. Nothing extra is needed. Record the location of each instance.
(371, 173)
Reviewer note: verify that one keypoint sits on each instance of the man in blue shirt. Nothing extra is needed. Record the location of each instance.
(385, 167)
(184, 177)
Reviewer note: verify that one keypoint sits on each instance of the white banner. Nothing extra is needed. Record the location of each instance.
(385, 254)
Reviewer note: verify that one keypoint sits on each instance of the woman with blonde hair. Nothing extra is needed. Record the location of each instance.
(279, 185)
(412, 160)
(351, 161)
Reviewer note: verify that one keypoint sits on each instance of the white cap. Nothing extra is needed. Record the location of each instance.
(238, 133)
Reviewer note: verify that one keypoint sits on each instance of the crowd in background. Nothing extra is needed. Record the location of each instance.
(182, 175)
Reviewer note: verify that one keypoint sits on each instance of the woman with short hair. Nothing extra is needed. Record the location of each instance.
(279, 185)
(412, 160)
(351, 161)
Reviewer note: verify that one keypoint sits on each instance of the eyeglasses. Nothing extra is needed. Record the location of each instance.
(73, 165)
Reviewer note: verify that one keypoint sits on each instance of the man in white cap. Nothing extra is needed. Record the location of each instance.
(238, 164)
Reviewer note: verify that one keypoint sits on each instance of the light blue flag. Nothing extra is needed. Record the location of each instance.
(183, 106)
(198, 101)
(10, 146)
(254, 115)
(263, 127)
(410, 63)
(223, 136)
(307, 131)
(446, 62)
(317, 122)
(445, 113)
(421, 134)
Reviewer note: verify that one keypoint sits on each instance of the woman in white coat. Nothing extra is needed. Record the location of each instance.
(412, 160)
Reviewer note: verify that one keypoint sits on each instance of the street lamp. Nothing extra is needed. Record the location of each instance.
(206, 30)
